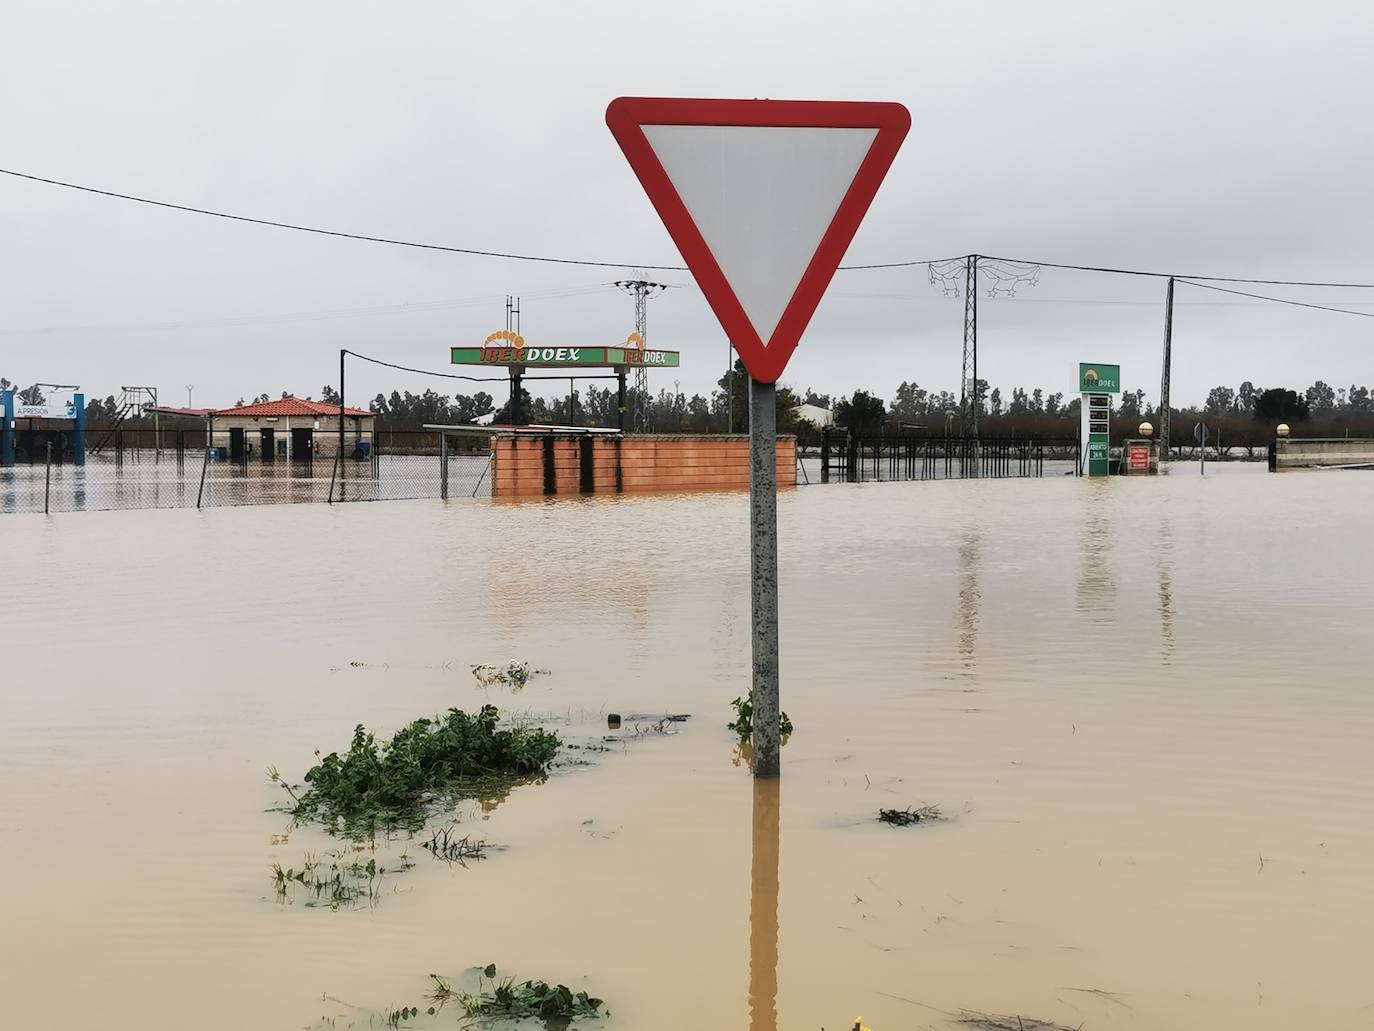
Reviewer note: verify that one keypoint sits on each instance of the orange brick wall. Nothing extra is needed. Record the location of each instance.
(645, 463)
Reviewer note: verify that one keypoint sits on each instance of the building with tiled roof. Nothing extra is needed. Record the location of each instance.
(291, 428)
(289, 406)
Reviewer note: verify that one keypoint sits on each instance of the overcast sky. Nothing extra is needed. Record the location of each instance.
(1198, 138)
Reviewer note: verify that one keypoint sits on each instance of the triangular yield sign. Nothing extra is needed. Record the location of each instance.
(762, 197)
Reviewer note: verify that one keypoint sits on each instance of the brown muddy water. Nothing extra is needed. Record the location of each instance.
(1144, 706)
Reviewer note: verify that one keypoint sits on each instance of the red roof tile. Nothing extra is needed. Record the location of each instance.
(291, 406)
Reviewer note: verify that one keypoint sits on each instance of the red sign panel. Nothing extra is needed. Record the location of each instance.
(762, 198)
(1139, 458)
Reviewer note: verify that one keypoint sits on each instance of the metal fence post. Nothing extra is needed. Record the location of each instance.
(203, 466)
(443, 466)
(47, 487)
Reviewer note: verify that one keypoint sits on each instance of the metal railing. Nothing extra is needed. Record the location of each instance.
(861, 457)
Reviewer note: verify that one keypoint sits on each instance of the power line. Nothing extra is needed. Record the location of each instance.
(476, 252)
(427, 372)
(470, 379)
(1280, 300)
(1179, 275)
(379, 239)
(336, 233)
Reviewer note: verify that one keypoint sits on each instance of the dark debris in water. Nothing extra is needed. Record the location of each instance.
(995, 1022)
(512, 674)
(906, 817)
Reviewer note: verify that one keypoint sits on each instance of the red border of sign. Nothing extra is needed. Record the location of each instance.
(626, 117)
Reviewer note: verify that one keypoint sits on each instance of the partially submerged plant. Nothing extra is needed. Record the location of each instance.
(743, 724)
(556, 1005)
(426, 765)
(397, 1017)
(337, 882)
(514, 674)
(446, 845)
(906, 817)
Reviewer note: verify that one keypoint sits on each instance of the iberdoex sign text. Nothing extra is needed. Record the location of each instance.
(507, 355)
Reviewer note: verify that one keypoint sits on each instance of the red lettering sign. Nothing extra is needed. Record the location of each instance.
(1140, 458)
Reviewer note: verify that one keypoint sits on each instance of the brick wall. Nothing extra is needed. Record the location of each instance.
(533, 465)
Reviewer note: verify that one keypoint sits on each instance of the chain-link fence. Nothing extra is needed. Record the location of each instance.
(131, 472)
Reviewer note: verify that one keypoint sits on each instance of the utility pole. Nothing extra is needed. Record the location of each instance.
(516, 372)
(968, 399)
(641, 290)
(1168, 364)
(342, 353)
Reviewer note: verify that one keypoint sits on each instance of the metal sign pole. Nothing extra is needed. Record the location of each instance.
(763, 572)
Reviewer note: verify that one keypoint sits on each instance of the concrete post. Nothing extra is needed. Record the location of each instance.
(763, 565)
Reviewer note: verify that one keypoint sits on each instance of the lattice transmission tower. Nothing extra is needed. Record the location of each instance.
(641, 290)
(958, 277)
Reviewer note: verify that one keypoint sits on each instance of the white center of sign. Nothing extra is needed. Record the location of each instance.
(762, 197)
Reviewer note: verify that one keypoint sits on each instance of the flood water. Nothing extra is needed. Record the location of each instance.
(145, 479)
(1143, 705)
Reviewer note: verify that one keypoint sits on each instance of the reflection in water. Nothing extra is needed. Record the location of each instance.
(763, 907)
(968, 597)
(1165, 570)
(1096, 584)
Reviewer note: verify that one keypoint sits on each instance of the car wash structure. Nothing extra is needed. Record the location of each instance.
(508, 350)
(1096, 385)
(27, 431)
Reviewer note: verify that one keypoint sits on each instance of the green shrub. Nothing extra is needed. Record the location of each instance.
(743, 724)
(427, 764)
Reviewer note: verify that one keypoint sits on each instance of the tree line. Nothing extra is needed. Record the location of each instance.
(1242, 411)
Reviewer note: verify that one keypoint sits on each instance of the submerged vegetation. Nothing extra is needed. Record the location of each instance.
(426, 765)
(336, 881)
(446, 845)
(513, 674)
(556, 1005)
(743, 724)
(493, 999)
(906, 817)
(997, 1022)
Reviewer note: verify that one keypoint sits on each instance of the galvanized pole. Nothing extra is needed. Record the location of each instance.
(342, 352)
(47, 487)
(205, 464)
(443, 465)
(763, 567)
(1168, 364)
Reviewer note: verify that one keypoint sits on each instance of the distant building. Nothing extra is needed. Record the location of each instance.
(290, 429)
(815, 414)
